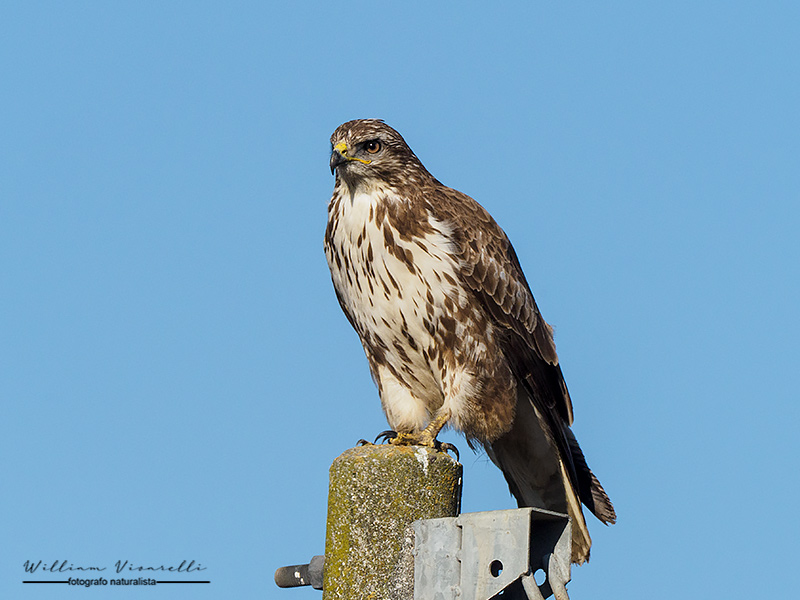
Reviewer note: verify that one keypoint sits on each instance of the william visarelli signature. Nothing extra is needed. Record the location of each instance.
(62, 566)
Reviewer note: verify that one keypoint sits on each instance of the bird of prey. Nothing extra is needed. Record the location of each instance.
(452, 334)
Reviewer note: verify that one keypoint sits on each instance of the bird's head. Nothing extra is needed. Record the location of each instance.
(368, 150)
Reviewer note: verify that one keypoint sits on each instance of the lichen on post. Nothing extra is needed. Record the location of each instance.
(376, 492)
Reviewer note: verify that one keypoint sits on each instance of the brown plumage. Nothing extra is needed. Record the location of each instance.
(449, 325)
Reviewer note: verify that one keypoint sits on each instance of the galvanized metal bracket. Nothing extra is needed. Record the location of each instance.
(476, 556)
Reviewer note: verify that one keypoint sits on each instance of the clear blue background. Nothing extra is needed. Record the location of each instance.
(176, 375)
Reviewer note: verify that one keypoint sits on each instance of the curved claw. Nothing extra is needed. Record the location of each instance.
(363, 442)
(445, 446)
(385, 436)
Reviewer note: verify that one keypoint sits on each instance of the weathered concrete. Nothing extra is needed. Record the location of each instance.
(375, 493)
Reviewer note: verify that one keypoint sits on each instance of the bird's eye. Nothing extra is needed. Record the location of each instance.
(373, 146)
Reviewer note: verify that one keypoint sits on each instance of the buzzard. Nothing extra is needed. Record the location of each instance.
(451, 331)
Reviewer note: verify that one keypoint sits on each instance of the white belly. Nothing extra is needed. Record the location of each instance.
(396, 305)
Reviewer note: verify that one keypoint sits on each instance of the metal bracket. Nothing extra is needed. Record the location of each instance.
(476, 556)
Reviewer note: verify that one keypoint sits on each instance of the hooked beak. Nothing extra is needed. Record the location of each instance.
(336, 159)
(339, 155)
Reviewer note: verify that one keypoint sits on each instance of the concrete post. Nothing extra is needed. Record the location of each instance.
(375, 493)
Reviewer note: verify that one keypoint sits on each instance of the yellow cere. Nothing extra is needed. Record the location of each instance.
(341, 148)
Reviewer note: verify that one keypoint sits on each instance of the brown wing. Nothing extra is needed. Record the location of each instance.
(490, 268)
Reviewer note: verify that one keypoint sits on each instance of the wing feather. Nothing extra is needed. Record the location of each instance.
(491, 269)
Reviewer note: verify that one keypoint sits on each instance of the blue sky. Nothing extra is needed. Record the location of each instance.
(176, 375)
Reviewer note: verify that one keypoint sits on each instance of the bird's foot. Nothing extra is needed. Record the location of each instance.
(422, 438)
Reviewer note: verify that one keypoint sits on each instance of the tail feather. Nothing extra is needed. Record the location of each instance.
(539, 475)
(591, 491)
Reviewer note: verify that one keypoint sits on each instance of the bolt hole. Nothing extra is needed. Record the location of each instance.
(496, 568)
(539, 576)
